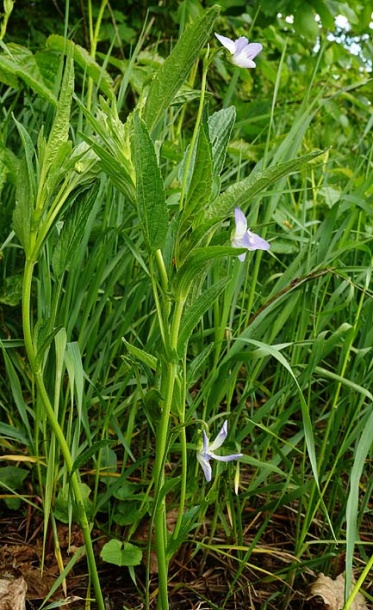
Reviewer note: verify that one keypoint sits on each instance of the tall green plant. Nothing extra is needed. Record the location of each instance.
(42, 196)
(145, 254)
(179, 250)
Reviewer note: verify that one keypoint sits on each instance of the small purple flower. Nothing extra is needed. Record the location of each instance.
(241, 50)
(244, 238)
(206, 452)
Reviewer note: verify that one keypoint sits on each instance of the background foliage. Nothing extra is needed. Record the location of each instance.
(280, 346)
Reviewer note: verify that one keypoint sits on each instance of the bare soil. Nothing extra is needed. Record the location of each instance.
(196, 581)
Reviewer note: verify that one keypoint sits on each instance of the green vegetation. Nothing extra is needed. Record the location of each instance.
(128, 326)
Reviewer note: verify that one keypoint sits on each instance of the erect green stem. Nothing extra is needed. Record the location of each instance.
(8, 7)
(167, 390)
(160, 497)
(56, 428)
(358, 584)
(162, 270)
(93, 38)
(184, 463)
(160, 311)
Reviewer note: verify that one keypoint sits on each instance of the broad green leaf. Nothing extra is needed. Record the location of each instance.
(121, 553)
(73, 230)
(197, 262)
(305, 23)
(24, 206)
(196, 365)
(127, 513)
(114, 147)
(49, 64)
(195, 312)
(8, 76)
(64, 503)
(188, 522)
(151, 202)
(11, 290)
(186, 95)
(114, 169)
(81, 56)
(200, 186)
(127, 491)
(44, 333)
(26, 190)
(148, 359)
(59, 133)
(327, 18)
(198, 237)
(242, 192)
(12, 477)
(53, 173)
(75, 370)
(153, 400)
(20, 62)
(205, 182)
(9, 164)
(220, 128)
(174, 71)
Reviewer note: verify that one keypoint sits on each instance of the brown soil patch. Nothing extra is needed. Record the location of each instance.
(198, 580)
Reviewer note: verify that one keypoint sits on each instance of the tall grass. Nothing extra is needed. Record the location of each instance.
(136, 326)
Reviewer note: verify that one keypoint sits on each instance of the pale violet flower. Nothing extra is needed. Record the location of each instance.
(241, 50)
(206, 452)
(244, 238)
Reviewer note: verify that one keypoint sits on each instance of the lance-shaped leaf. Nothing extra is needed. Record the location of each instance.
(141, 355)
(174, 71)
(20, 62)
(239, 194)
(196, 264)
(112, 146)
(81, 56)
(199, 179)
(195, 312)
(53, 153)
(25, 193)
(73, 230)
(220, 129)
(207, 164)
(115, 168)
(151, 200)
(59, 133)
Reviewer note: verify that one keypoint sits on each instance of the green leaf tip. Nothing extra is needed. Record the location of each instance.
(175, 69)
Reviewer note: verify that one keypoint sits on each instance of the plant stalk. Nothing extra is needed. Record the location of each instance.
(56, 428)
(167, 390)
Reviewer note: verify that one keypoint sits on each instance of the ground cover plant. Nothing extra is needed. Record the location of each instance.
(186, 310)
